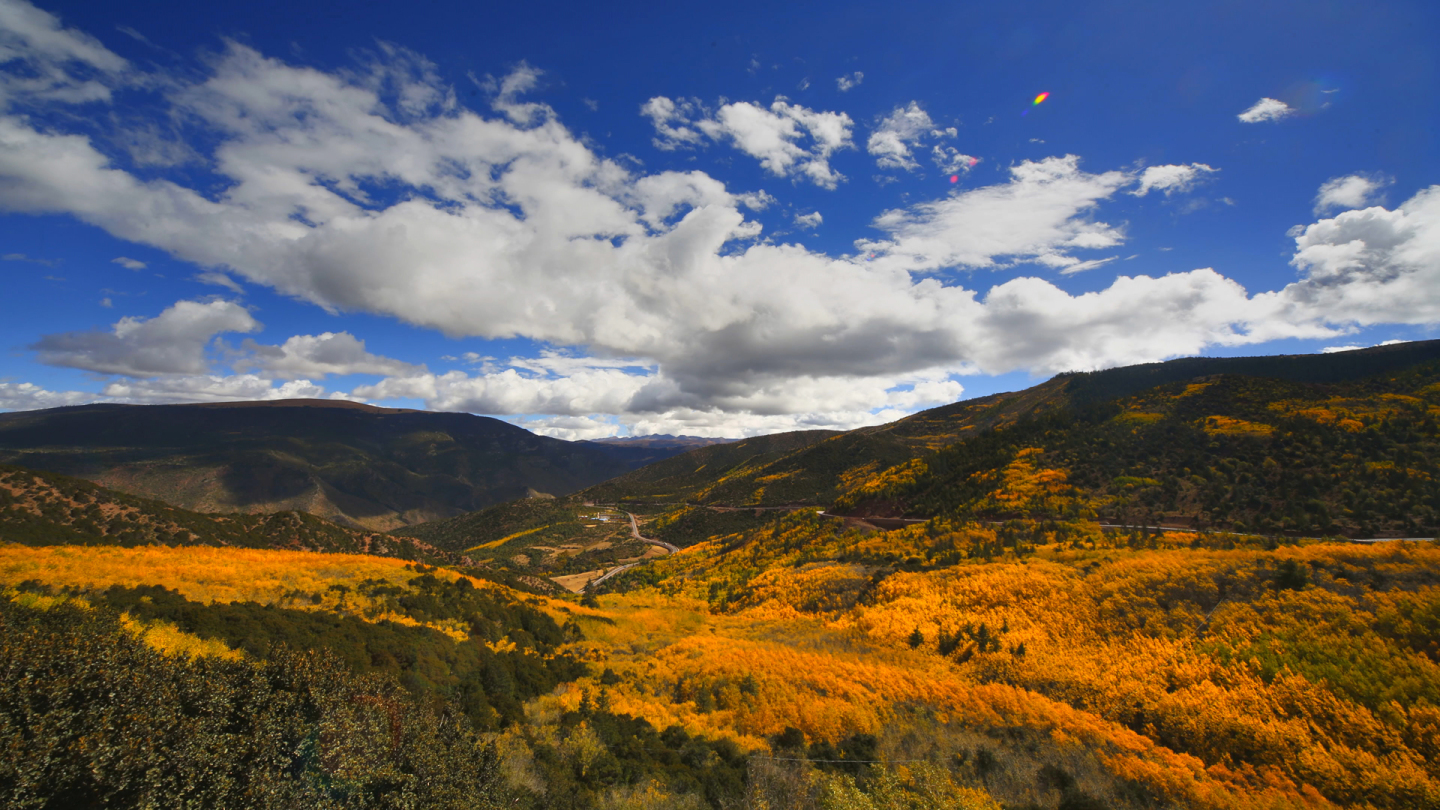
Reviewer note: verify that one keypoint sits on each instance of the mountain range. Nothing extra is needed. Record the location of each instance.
(360, 465)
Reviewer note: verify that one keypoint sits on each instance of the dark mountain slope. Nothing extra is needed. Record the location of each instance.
(378, 468)
(815, 467)
(688, 476)
(42, 508)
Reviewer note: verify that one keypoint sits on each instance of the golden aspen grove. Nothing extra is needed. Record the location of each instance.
(1157, 587)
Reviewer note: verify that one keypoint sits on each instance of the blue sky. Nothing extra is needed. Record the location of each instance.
(717, 220)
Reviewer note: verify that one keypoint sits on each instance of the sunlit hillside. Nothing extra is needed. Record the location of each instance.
(1337, 444)
(1123, 590)
(1126, 671)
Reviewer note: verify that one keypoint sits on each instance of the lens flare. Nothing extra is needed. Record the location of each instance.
(954, 178)
(1041, 98)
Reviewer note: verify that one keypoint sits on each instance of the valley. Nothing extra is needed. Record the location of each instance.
(1135, 588)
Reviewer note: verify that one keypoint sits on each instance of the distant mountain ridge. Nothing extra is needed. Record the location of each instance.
(370, 467)
(639, 451)
(664, 439)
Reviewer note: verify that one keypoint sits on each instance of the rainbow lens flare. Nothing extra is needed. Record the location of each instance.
(1041, 97)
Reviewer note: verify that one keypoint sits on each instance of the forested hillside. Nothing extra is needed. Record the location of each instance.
(1059, 665)
(1358, 458)
(40, 508)
(1340, 444)
(373, 468)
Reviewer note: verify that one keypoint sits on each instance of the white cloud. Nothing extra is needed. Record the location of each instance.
(219, 279)
(671, 120)
(31, 397)
(506, 99)
(586, 397)
(682, 321)
(1266, 109)
(1172, 179)
(844, 83)
(1368, 266)
(571, 428)
(128, 263)
(789, 140)
(172, 342)
(893, 138)
(906, 129)
(45, 62)
(809, 221)
(21, 257)
(211, 388)
(1040, 216)
(1352, 347)
(950, 160)
(1351, 191)
(319, 356)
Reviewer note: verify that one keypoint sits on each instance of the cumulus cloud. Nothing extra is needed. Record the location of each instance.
(1369, 266)
(809, 221)
(211, 388)
(571, 428)
(128, 263)
(172, 342)
(1039, 216)
(897, 136)
(671, 120)
(1266, 109)
(844, 83)
(320, 356)
(31, 397)
(587, 397)
(485, 222)
(789, 140)
(1172, 179)
(1351, 191)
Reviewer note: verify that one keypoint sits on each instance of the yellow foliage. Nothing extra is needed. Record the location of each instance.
(209, 574)
(507, 538)
(855, 477)
(1228, 426)
(900, 475)
(199, 573)
(1139, 417)
(1024, 488)
(171, 640)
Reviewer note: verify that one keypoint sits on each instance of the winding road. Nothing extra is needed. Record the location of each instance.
(634, 530)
